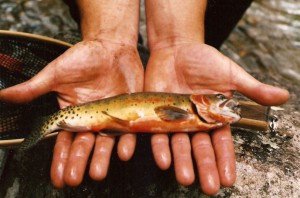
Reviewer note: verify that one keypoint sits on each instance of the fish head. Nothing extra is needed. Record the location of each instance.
(216, 108)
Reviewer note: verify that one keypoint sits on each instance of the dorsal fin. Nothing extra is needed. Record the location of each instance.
(171, 113)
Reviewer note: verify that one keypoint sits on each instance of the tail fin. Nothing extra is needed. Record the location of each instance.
(35, 135)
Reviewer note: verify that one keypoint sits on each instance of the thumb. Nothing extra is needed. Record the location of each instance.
(261, 93)
(28, 90)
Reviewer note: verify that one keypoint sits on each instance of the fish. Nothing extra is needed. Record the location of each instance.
(150, 112)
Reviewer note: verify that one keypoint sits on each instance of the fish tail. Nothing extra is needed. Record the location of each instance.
(34, 136)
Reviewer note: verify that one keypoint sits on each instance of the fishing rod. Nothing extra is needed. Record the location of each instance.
(257, 117)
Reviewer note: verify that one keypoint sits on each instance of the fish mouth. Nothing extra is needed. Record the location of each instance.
(225, 111)
(230, 108)
(233, 105)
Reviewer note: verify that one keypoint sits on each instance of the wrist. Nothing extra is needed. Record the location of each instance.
(170, 23)
(110, 34)
(173, 41)
(116, 21)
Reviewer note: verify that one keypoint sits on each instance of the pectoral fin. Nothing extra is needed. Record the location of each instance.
(171, 113)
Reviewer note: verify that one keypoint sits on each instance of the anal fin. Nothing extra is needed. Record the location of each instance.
(65, 126)
(112, 132)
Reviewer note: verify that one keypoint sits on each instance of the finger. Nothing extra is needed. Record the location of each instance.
(78, 156)
(183, 164)
(60, 158)
(161, 150)
(206, 163)
(101, 157)
(28, 90)
(259, 92)
(126, 146)
(224, 151)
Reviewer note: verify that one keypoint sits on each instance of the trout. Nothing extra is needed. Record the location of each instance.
(141, 112)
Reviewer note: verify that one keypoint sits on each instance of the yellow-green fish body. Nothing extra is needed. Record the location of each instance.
(142, 112)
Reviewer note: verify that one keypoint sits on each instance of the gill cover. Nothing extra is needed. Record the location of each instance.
(216, 108)
(202, 106)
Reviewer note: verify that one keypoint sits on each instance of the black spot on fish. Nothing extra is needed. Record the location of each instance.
(91, 117)
(66, 117)
(61, 116)
(85, 111)
(72, 117)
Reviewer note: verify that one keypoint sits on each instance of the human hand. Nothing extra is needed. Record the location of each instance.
(198, 68)
(89, 70)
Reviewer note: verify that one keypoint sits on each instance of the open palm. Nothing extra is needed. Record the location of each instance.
(89, 70)
(199, 68)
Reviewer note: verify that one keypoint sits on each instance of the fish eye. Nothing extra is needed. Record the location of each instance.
(221, 96)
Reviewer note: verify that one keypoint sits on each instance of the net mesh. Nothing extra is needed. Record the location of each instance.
(21, 57)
